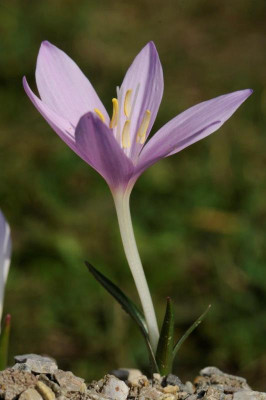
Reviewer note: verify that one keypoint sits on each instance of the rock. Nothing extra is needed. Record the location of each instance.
(37, 364)
(189, 387)
(157, 378)
(51, 384)
(172, 380)
(130, 375)
(21, 367)
(171, 389)
(13, 383)
(30, 394)
(212, 376)
(209, 371)
(121, 373)
(135, 377)
(69, 382)
(213, 394)
(249, 395)
(150, 393)
(45, 391)
(115, 388)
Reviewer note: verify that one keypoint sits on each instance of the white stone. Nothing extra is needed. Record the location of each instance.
(115, 388)
(134, 376)
(249, 395)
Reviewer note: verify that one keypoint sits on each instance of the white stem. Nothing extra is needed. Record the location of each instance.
(127, 234)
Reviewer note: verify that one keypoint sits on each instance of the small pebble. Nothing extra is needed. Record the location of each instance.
(30, 394)
(45, 391)
(173, 380)
(115, 388)
(171, 389)
(69, 382)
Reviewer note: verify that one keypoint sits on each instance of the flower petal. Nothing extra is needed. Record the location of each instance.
(190, 126)
(63, 86)
(62, 127)
(99, 148)
(5, 254)
(145, 78)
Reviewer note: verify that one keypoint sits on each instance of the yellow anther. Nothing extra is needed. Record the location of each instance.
(100, 115)
(114, 119)
(127, 103)
(141, 135)
(126, 135)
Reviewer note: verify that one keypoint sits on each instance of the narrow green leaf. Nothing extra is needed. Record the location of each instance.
(4, 342)
(164, 354)
(189, 331)
(128, 306)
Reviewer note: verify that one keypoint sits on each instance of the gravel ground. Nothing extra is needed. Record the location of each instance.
(34, 377)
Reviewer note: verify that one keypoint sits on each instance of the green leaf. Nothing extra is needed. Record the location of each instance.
(190, 330)
(4, 342)
(164, 354)
(128, 306)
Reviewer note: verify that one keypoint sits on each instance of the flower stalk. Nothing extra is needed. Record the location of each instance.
(121, 199)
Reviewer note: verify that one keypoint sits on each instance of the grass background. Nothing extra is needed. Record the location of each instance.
(199, 216)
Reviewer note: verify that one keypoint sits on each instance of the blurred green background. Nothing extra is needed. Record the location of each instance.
(199, 216)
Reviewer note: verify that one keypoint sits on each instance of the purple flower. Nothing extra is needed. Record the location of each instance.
(118, 148)
(5, 253)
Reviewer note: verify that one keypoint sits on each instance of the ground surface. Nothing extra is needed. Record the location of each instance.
(38, 378)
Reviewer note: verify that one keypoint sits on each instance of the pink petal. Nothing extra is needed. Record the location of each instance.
(61, 126)
(144, 77)
(63, 86)
(99, 148)
(190, 126)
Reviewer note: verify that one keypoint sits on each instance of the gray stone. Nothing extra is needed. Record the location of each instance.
(189, 387)
(249, 395)
(37, 364)
(212, 376)
(115, 388)
(172, 380)
(69, 382)
(30, 394)
(209, 371)
(21, 367)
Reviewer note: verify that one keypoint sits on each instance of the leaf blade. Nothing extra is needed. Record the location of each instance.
(164, 353)
(4, 342)
(190, 330)
(128, 306)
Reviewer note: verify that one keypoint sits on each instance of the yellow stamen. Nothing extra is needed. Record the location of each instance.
(141, 135)
(114, 119)
(127, 103)
(126, 135)
(100, 115)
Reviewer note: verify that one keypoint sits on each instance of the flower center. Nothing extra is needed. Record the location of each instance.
(128, 108)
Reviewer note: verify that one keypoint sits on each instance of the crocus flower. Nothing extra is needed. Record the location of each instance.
(5, 253)
(117, 147)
